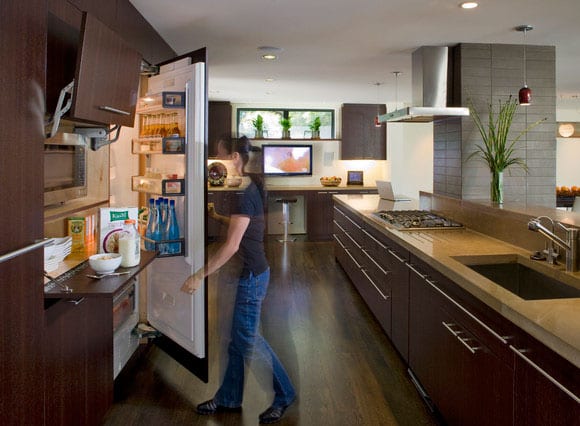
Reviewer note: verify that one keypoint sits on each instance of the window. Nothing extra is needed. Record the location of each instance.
(300, 120)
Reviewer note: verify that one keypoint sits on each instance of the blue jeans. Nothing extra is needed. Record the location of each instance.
(247, 343)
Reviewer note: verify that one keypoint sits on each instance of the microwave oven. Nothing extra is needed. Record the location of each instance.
(65, 168)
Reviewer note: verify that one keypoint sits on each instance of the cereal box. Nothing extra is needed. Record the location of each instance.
(111, 220)
(76, 230)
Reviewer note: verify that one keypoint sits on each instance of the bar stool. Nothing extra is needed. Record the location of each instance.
(286, 216)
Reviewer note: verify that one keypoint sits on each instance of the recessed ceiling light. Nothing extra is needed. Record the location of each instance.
(269, 53)
(469, 5)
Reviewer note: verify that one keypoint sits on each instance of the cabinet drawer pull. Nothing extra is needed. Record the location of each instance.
(113, 110)
(358, 265)
(400, 259)
(339, 227)
(353, 240)
(540, 370)
(385, 297)
(465, 311)
(352, 221)
(462, 340)
(375, 262)
(415, 270)
(77, 301)
(339, 242)
(384, 247)
(23, 250)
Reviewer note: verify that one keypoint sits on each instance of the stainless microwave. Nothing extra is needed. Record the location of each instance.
(65, 168)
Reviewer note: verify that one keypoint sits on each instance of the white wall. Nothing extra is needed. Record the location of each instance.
(568, 151)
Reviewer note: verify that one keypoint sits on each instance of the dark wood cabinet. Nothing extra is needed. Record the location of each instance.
(219, 124)
(223, 201)
(466, 380)
(78, 362)
(106, 78)
(319, 213)
(361, 139)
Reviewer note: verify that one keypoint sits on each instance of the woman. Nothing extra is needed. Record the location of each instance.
(246, 235)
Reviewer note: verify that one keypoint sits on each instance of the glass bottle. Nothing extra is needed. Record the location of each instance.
(172, 229)
(130, 244)
(151, 218)
(157, 230)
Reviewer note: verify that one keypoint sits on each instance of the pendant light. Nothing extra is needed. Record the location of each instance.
(396, 74)
(525, 93)
(377, 122)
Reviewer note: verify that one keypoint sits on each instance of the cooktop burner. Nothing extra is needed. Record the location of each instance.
(416, 219)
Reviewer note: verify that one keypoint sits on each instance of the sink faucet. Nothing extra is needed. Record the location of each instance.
(570, 245)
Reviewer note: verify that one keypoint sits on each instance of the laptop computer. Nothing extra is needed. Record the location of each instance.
(385, 189)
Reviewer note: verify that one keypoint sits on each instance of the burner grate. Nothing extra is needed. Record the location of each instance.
(416, 219)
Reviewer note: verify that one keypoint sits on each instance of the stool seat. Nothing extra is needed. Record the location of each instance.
(286, 217)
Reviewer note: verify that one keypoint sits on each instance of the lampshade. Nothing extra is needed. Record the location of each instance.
(566, 130)
(525, 96)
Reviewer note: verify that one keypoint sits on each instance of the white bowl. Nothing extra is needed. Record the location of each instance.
(105, 263)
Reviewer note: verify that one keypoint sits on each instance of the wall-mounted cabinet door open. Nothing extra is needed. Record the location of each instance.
(106, 78)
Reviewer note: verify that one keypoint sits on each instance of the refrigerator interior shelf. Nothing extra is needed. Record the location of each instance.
(147, 146)
(160, 102)
(158, 186)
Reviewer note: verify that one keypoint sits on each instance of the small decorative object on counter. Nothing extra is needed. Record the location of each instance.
(315, 128)
(130, 245)
(217, 173)
(330, 180)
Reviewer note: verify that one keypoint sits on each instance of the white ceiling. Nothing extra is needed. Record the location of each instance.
(334, 50)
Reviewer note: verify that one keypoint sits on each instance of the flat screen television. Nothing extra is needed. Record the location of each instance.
(287, 160)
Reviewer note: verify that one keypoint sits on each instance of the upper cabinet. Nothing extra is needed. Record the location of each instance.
(107, 76)
(360, 138)
(219, 124)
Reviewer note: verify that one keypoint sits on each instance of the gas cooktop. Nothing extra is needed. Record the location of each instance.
(409, 220)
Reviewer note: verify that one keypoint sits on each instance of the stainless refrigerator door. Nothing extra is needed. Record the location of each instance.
(181, 317)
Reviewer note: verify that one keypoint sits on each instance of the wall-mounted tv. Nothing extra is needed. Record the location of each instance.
(287, 160)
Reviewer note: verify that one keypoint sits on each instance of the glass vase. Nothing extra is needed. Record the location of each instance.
(496, 187)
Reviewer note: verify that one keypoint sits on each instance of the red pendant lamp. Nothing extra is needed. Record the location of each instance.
(525, 93)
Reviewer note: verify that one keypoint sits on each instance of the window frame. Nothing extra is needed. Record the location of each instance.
(286, 114)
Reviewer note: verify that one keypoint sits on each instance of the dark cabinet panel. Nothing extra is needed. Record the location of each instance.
(466, 380)
(361, 139)
(219, 124)
(78, 363)
(107, 76)
(319, 213)
(22, 79)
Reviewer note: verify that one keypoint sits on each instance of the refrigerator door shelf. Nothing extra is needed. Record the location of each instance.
(168, 248)
(166, 187)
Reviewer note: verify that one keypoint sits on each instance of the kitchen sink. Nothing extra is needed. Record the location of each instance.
(514, 273)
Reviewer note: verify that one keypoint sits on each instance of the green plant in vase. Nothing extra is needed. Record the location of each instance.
(258, 124)
(286, 125)
(315, 128)
(497, 151)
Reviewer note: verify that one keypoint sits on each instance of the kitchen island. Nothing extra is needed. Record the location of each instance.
(477, 351)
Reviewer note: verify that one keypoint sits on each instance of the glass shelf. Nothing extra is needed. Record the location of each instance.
(158, 186)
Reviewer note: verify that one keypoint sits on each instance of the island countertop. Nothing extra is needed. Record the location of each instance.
(554, 322)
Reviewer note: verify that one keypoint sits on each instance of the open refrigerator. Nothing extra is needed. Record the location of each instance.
(172, 141)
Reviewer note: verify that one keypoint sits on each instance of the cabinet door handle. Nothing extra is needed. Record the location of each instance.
(462, 340)
(383, 295)
(358, 265)
(76, 301)
(23, 250)
(423, 276)
(465, 311)
(540, 370)
(339, 242)
(400, 259)
(113, 110)
(375, 240)
(375, 262)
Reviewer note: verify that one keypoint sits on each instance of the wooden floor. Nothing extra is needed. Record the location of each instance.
(344, 368)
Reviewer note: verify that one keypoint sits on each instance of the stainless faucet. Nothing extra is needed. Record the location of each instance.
(570, 245)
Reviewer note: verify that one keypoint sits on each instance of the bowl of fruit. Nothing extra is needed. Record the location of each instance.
(330, 180)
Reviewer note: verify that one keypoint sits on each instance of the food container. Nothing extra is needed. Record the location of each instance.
(105, 263)
(330, 181)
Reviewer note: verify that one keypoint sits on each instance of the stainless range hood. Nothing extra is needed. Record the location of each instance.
(432, 83)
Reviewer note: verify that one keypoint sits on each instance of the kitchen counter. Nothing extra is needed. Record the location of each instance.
(281, 188)
(83, 286)
(554, 322)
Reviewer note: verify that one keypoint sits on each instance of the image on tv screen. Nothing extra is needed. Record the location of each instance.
(287, 160)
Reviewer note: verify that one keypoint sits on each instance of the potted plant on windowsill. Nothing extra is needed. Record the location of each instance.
(286, 124)
(258, 124)
(496, 151)
(315, 128)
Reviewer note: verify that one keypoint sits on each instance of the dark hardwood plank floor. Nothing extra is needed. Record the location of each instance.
(344, 368)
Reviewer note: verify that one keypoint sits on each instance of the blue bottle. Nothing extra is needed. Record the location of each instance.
(156, 229)
(151, 217)
(172, 229)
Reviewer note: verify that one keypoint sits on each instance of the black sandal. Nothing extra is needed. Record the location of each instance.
(272, 414)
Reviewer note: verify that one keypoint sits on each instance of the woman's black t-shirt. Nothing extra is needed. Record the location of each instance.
(252, 244)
